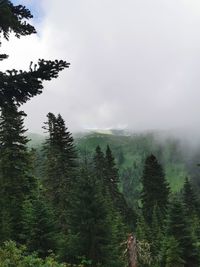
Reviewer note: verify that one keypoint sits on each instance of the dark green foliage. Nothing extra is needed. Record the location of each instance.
(178, 227)
(13, 19)
(155, 191)
(61, 160)
(189, 198)
(16, 88)
(91, 225)
(142, 235)
(100, 165)
(131, 188)
(16, 183)
(12, 255)
(111, 174)
(135, 149)
(19, 86)
(107, 172)
(38, 226)
(151, 234)
(156, 236)
(154, 198)
(173, 253)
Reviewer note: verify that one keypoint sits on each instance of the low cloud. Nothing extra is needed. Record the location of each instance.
(134, 63)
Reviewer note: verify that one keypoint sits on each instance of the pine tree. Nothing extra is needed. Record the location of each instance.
(189, 198)
(16, 183)
(99, 164)
(111, 174)
(179, 228)
(142, 229)
(91, 224)
(60, 164)
(16, 88)
(156, 236)
(107, 172)
(38, 225)
(19, 86)
(173, 253)
(152, 235)
(155, 189)
(12, 20)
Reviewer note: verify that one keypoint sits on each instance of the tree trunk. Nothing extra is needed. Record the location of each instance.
(132, 251)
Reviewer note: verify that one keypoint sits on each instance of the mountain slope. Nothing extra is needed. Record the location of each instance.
(130, 152)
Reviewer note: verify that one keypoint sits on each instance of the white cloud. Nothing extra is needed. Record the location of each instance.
(133, 62)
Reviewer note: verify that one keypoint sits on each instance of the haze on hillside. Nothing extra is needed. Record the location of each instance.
(134, 63)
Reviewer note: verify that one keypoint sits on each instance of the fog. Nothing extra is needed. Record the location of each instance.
(134, 63)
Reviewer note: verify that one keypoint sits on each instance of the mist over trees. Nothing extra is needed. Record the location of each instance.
(77, 207)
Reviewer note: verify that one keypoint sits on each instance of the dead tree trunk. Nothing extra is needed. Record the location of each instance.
(132, 251)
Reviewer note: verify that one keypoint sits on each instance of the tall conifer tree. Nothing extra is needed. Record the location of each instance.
(173, 253)
(111, 179)
(111, 174)
(91, 226)
(189, 198)
(16, 183)
(99, 164)
(60, 165)
(155, 189)
(38, 225)
(179, 227)
(16, 88)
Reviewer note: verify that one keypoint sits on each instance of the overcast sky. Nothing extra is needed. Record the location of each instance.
(134, 63)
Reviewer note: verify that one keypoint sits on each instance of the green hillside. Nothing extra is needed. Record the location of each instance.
(130, 153)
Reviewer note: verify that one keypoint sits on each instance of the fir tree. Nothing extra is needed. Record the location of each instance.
(142, 229)
(111, 174)
(189, 198)
(16, 183)
(16, 88)
(107, 172)
(38, 225)
(155, 189)
(178, 227)
(173, 253)
(91, 224)
(99, 164)
(156, 236)
(12, 19)
(19, 86)
(60, 165)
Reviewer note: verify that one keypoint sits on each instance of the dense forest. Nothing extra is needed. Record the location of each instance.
(97, 200)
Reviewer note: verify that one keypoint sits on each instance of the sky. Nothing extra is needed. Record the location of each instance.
(134, 63)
